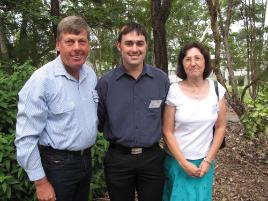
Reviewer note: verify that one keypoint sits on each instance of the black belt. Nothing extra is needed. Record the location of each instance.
(82, 152)
(132, 150)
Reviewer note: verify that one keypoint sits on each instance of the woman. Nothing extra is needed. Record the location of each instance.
(192, 109)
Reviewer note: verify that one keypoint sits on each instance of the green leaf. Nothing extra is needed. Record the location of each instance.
(1, 156)
(11, 180)
(7, 164)
(4, 187)
(9, 192)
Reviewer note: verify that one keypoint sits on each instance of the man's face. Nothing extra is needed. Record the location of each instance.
(133, 49)
(73, 50)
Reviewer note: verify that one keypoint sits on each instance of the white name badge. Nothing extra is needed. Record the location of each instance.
(155, 103)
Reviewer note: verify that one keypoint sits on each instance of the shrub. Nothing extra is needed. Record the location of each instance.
(255, 120)
(9, 88)
(14, 183)
(98, 187)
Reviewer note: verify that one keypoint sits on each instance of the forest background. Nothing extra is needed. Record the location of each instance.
(233, 31)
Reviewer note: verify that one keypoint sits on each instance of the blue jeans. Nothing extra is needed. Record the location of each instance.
(68, 173)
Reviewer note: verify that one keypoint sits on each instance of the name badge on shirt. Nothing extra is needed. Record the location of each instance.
(155, 103)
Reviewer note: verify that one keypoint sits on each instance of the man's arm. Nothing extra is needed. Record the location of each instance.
(31, 120)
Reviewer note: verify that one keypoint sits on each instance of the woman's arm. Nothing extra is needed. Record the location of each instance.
(168, 130)
(219, 133)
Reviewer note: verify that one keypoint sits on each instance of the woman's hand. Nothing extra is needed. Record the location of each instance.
(191, 169)
(204, 167)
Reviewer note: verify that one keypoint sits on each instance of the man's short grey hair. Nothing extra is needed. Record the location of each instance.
(74, 25)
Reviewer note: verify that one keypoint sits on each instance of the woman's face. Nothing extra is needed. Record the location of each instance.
(194, 63)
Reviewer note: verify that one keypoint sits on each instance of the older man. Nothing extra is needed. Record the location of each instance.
(57, 118)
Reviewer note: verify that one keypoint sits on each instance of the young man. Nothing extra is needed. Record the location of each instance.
(130, 116)
(57, 118)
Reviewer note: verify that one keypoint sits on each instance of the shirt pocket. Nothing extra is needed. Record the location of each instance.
(62, 118)
(60, 108)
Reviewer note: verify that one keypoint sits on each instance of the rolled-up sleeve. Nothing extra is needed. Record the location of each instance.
(31, 120)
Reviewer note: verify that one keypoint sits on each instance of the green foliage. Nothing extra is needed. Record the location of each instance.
(183, 27)
(9, 88)
(14, 183)
(98, 187)
(255, 120)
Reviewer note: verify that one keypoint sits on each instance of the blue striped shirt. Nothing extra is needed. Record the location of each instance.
(56, 110)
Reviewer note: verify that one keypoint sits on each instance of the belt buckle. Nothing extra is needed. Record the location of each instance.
(136, 150)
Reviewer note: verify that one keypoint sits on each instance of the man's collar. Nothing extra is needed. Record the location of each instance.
(121, 71)
(59, 69)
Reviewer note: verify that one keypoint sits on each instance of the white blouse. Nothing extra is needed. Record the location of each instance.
(194, 119)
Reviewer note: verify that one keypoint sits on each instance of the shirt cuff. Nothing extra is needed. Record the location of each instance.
(36, 174)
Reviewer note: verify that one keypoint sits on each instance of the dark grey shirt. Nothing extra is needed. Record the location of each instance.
(130, 110)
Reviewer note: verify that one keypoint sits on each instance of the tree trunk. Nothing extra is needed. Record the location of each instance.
(160, 10)
(55, 12)
(4, 51)
(3, 47)
(254, 45)
(233, 97)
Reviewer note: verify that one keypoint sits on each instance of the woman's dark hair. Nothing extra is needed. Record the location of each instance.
(180, 69)
(129, 27)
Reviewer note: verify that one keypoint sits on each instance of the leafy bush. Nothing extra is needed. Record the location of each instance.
(255, 120)
(9, 88)
(98, 187)
(14, 183)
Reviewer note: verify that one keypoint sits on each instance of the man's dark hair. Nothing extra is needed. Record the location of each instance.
(130, 27)
(72, 24)
(180, 69)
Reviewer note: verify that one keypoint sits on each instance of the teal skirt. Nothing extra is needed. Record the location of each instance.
(179, 186)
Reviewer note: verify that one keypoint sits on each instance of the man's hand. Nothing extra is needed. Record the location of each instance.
(44, 190)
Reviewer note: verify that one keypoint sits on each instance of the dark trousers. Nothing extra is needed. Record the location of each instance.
(125, 173)
(68, 173)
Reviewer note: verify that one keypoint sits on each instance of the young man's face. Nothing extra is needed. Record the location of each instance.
(73, 50)
(133, 49)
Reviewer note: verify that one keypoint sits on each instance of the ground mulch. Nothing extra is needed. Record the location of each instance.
(241, 170)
